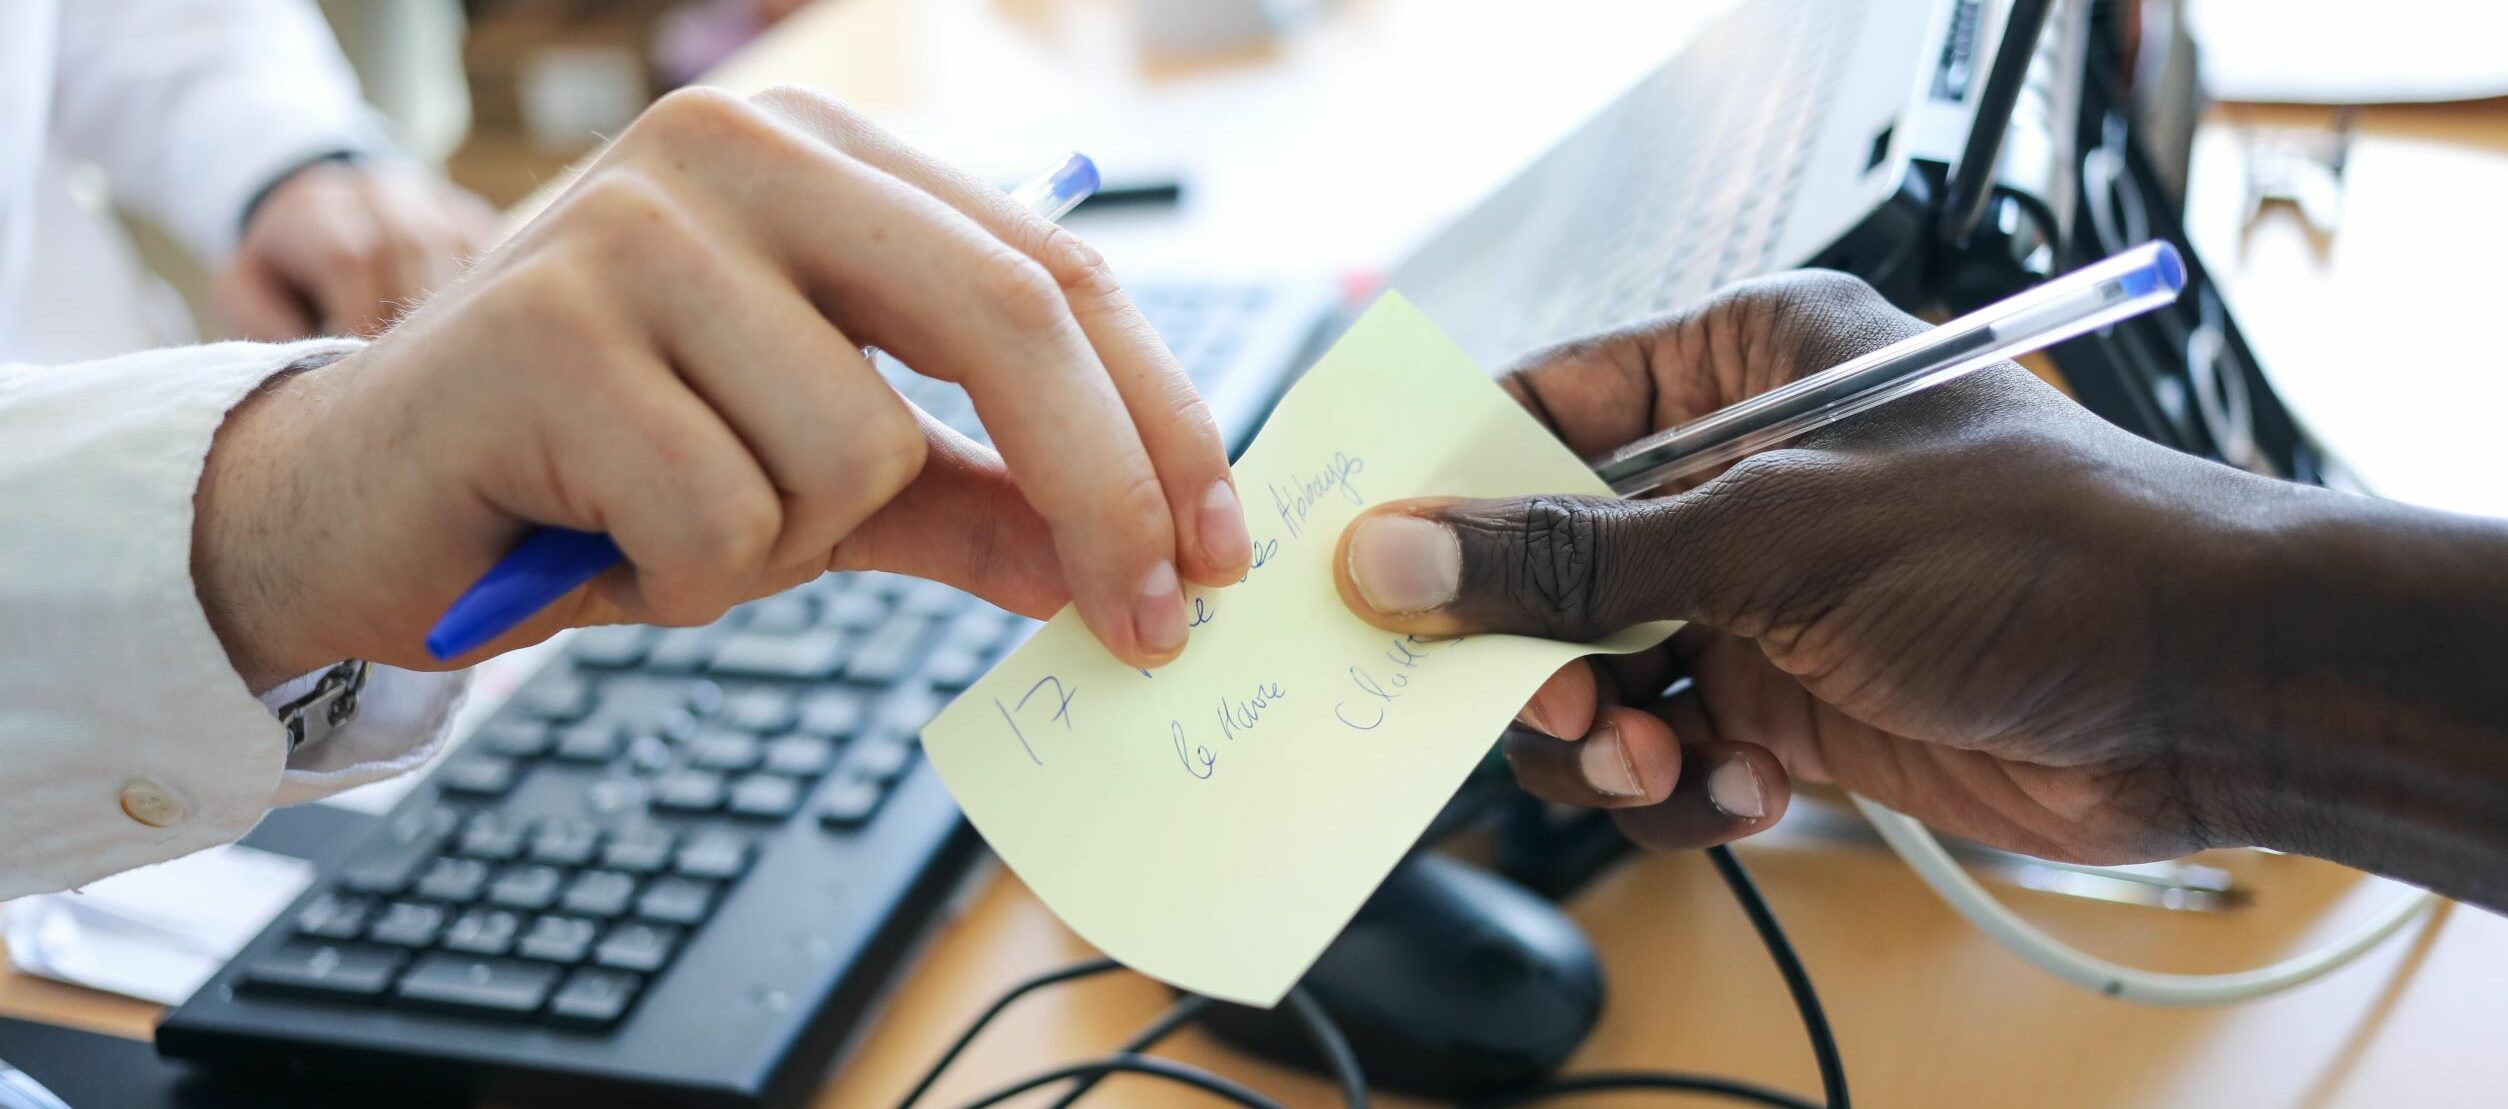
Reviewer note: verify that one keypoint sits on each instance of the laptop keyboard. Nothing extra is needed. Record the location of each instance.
(606, 824)
(1725, 150)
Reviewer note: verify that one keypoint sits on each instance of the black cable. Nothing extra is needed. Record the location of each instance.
(1972, 180)
(1195, 1077)
(1610, 1081)
(1088, 969)
(1797, 982)
(1332, 1045)
(1183, 1012)
(1335, 1048)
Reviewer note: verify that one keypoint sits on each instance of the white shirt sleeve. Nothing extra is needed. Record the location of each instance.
(193, 106)
(126, 737)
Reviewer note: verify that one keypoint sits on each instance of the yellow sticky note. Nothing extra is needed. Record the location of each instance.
(1215, 822)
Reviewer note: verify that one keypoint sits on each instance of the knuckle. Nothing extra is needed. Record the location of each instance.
(1555, 571)
(1076, 267)
(700, 113)
(554, 301)
(1778, 519)
(735, 531)
(837, 121)
(1016, 286)
(883, 454)
(1140, 499)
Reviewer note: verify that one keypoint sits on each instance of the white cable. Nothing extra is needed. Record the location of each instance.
(1925, 854)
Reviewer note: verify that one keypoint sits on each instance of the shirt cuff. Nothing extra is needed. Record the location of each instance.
(126, 736)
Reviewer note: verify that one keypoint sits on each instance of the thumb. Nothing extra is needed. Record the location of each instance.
(1739, 553)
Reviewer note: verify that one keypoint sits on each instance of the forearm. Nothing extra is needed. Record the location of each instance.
(2362, 710)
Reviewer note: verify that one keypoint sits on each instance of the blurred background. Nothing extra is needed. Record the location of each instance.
(2326, 151)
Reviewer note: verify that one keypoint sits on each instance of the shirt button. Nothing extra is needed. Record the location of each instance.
(150, 804)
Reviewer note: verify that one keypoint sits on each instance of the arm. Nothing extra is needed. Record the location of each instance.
(126, 736)
(221, 119)
(671, 354)
(1983, 607)
(193, 107)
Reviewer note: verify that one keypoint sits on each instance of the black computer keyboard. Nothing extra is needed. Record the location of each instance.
(680, 863)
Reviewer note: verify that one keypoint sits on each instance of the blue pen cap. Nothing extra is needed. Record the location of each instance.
(2166, 272)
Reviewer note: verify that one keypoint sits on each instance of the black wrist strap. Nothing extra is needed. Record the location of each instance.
(253, 205)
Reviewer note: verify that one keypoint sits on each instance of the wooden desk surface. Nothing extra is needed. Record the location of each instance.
(1928, 1011)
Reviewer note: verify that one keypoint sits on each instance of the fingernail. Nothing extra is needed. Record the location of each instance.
(1222, 528)
(1532, 717)
(1158, 620)
(1404, 564)
(1603, 760)
(1734, 788)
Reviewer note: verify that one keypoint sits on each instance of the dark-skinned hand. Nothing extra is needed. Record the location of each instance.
(1954, 606)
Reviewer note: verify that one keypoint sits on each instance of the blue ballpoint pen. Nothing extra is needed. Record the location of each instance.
(552, 562)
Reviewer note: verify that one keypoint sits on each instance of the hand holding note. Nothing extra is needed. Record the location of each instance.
(1215, 822)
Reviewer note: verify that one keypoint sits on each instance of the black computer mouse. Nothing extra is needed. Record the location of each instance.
(1450, 983)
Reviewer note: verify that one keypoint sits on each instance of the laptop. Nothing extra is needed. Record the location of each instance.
(1790, 133)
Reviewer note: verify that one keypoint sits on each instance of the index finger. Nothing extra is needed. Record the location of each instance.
(1175, 427)
(909, 273)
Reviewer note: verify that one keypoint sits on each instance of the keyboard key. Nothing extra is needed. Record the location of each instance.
(493, 835)
(953, 668)
(386, 865)
(637, 946)
(558, 939)
(527, 886)
(850, 803)
(688, 791)
(723, 749)
(879, 759)
(888, 652)
(853, 611)
(801, 756)
(979, 629)
(907, 709)
(765, 795)
(482, 987)
(407, 924)
(782, 614)
(559, 697)
(703, 699)
(332, 916)
(762, 708)
(642, 849)
(588, 743)
(564, 842)
(336, 970)
(834, 713)
(809, 656)
(452, 880)
(930, 598)
(615, 794)
(515, 739)
(680, 650)
(712, 853)
(601, 893)
(476, 776)
(648, 754)
(593, 998)
(676, 900)
(611, 648)
(483, 932)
